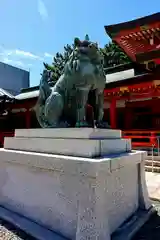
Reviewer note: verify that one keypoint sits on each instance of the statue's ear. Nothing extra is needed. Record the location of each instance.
(86, 37)
(77, 42)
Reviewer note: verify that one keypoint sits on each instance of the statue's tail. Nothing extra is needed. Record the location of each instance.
(44, 93)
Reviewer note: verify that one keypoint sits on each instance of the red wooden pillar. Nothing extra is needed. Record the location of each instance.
(28, 118)
(113, 113)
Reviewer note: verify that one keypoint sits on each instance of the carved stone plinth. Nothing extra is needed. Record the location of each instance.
(85, 142)
(75, 183)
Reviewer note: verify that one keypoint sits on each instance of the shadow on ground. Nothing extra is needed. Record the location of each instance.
(151, 230)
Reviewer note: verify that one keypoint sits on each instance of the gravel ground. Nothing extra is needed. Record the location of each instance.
(150, 231)
(9, 232)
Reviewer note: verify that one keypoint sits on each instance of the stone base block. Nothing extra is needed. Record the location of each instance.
(35, 230)
(66, 133)
(85, 142)
(72, 147)
(126, 231)
(75, 197)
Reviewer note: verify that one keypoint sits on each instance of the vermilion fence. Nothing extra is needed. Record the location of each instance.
(148, 140)
(142, 138)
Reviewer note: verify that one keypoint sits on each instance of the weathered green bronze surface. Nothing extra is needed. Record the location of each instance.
(64, 105)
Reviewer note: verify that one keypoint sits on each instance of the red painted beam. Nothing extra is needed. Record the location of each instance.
(152, 93)
(113, 117)
(146, 86)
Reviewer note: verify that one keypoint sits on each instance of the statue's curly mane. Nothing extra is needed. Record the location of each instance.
(84, 51)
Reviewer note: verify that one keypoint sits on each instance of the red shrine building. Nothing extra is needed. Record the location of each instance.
(132, 93)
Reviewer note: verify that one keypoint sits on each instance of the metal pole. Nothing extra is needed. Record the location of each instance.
(152, 157)
(158, 144)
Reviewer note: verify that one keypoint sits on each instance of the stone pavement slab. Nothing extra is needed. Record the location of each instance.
(153, 185)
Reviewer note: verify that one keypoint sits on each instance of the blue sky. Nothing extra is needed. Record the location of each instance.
(33, 31)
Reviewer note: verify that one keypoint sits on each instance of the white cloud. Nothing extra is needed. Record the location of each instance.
(20, 58)
(48, 55)
(14, 62)
(27, 54)
(42, 10)
(21, 54)
(30, 65)
(17, 53)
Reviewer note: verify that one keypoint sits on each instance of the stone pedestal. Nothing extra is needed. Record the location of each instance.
(75, 183)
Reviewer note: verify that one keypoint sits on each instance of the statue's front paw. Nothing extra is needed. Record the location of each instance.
(81, 124)
(64, 124)
(102, 124)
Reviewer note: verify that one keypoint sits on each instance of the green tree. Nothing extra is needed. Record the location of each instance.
(58, 63)
(112, 53)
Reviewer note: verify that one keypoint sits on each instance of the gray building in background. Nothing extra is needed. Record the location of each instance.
(13, 79)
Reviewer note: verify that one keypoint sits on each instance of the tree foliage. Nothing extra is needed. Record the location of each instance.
(113, 55)
(58, 63)
(111, 52)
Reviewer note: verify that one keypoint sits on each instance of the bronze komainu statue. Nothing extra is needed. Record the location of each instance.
(64, 105)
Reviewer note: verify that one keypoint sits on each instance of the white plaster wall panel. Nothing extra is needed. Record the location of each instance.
(120, 104)
(122, 75)
(106, 105)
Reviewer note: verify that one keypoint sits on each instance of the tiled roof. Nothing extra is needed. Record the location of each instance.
(112, 30)
(5, 93)
(27, 95)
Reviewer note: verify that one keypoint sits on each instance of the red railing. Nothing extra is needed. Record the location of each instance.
(143, 138)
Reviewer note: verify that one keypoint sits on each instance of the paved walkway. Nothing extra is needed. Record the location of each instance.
(153, 184)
